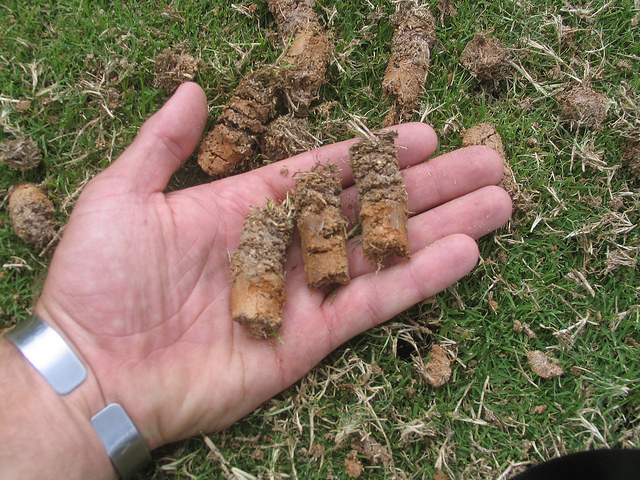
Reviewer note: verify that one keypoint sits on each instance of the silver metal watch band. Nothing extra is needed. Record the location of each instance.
(50, 355)
(121, 439)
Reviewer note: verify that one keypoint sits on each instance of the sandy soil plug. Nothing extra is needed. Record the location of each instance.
(382, 195)
(323, 228)
(257, 276)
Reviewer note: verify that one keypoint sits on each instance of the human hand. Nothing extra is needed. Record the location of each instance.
(139, 283)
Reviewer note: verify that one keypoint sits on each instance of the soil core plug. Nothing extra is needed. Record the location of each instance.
(306, 58)
(322, 227)
(32, 214)
(173, 68)
(582, 106)
(410, 58)
(437, 371)
(486, 58)
(486, 134)
(257, 276)
(382, 195)
(234, 137)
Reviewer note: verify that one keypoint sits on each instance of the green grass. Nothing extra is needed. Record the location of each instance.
(87, 69)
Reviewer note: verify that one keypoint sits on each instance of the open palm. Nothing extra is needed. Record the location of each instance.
(140, 280)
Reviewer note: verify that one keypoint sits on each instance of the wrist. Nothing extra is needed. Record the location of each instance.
(79, 401)
(45, 435)
(106, 382)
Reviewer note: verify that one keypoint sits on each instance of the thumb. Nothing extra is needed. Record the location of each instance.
(165, 140)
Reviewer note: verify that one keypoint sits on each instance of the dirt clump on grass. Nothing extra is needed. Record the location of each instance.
(382, 196)
(408, 66)
(521, 327)
(485, 57)
(353, 467)
(486, 134)
(257, 276)
(322, 226)
(287, 136)
(32, 214)
(582, 106)
(375, 453)
(174, 67)
(234, 137)
(437, 371)
(306, 58)
(631, 156)
(544, 366)
(20, 153)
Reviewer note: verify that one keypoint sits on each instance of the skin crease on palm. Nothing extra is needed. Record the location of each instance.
(139, 283)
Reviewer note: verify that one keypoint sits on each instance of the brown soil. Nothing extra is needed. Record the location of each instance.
(32, 213)
(437, 370)
(372, 451)
(543, 366)
(306, 58)
(23, 105)
(352, 466)
(408, 67)
(582, 106)
(322, 227)
(174, 67)
(520, 327)
(21, 153)
(285, 137)
(293, 16)
(382, 196)
(631, 156)
(485, 58)
(486, 134)
(257, 276)
(233, 139)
